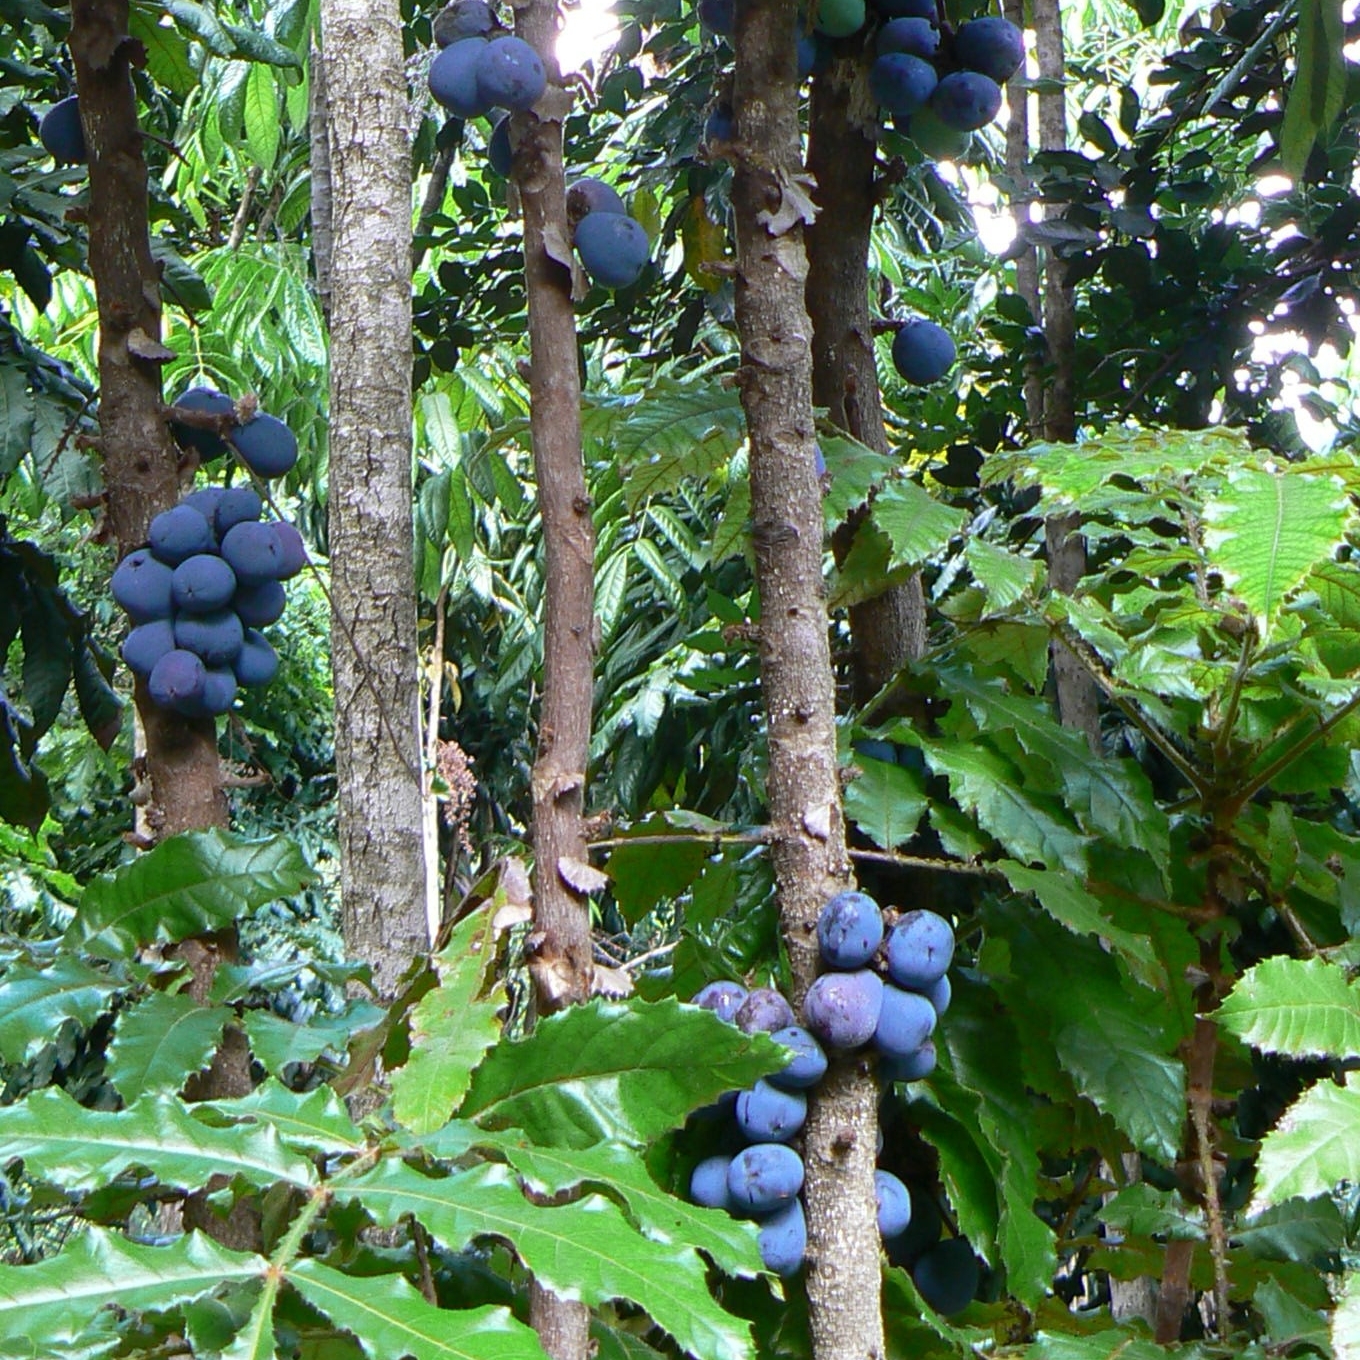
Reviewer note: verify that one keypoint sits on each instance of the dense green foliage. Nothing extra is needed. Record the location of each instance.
(1195, 876)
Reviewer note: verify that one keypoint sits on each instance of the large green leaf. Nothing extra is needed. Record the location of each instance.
(667, 434)
(1299, 1007)
(584, 1250)
(316, 1121)
(36, 1002)
(1108, 797)
(261, 113)
(1071, 905)
(644, 875)
(981, 1047)
(1112, 1344)
(1318, 91)
(853, 471)
(452, 1026)
(162, 1041)
(16, 416)
(917, 525)
(886, 802)
(1315, 1147)
(1109, 1032)
(390, 1318)
(54, 1300)
(1267, 531)
(621, 1173)
(985, 783)
(187, 885)
(606, 1071)
(82, 1149)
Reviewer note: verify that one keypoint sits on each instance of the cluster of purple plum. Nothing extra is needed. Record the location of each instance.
(478, 70)
(211, 574)
(848, 1007)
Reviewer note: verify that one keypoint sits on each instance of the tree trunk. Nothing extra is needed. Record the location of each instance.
(321, 207)
(803, 794)
(373, 647)
(1078, 700)
(141, 463)
(142, 478)
(890, 629)
(560, 946)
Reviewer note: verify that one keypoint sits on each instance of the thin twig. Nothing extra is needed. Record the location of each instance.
(717, 839)
(941, 866)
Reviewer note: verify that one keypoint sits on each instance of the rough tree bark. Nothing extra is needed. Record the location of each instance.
(890, 629)
(377, 722)
(1078, 699)
(320, 162)
(142, 477)
(560, 945)
(803, 793)
(141, 463)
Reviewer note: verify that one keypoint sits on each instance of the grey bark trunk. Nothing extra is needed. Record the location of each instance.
(319, 139)
(560, 946)
(803, 793)
(377, 727)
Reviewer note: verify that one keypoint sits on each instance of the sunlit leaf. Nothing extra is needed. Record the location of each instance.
(1314, 1147)
(1298, 1007)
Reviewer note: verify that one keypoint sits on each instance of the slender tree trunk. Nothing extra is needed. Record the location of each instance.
(1078, 699)
(142, 478)
(373, 648)
(141, 464)
(808, 845)
(322, 211)
(1022, 195)
(888, 630)
(560, 946)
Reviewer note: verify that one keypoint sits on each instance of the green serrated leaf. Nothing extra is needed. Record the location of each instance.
(621, 1173)
(606, 1071)
(1108, 797)
(452, 1025)
(278, 1043)
(644, 875)
(1299, 1007)
(36, 1002)
(1109, 1033)
(16, 417)
(316, 1121)
(167, 50)
(162, 1041)
(256, 1340)
(853, 471)
(667, 434)
(1121, 1343)
(886, 802)
(83, 1149)
(1006, 578)
(917, 525)
(584, 1250)
(981, 1062)
(390, 1317)
(187, 885)
(1072, 906)
(986, 784)
(1309, 1231)
(1314, 1147)
(54, 1300)
(1268, 531)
